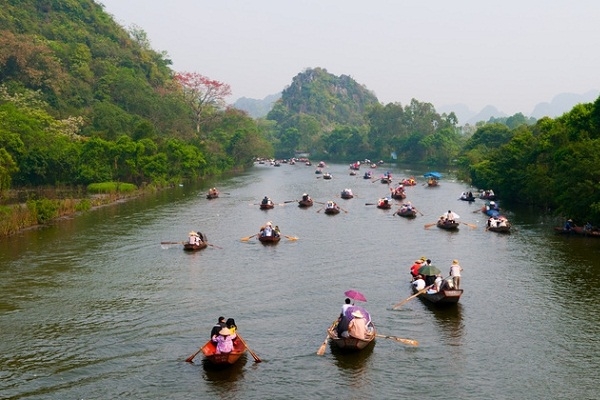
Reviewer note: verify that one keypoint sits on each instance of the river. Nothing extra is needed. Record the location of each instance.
(94, 307)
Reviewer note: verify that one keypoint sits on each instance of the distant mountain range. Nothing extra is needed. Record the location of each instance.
(559, 105)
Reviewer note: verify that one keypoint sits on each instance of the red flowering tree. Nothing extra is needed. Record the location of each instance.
(205, 96)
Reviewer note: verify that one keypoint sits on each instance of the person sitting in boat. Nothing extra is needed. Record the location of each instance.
(230, 324)
(449, 217)
(569, 225)
(266, 200)
(277, 231)
(419, 282)
(214, 332)
(305, 197)
(357, 327)
(331, 204)
(414, 269)
(438, 282)
(213, 191)
(267, 230)
(194, 238)
(201, 237)
(224, 341)
(588, 227)
(384, 202)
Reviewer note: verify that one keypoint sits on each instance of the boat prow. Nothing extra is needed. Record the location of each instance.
(209, 350)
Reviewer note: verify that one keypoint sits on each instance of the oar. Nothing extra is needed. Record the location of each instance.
(214, 245)
(469, 225)
(190, 358)
(370, 204)
(412, 342)
(412, 297)
(345, 211)
(321, 350)
(245, 239)
(318, 202)
(430, 225)
(256, 359)
(319, 210)
(290, 237)
(172, 242)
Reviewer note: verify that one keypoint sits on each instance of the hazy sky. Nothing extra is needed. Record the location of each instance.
(510, 54)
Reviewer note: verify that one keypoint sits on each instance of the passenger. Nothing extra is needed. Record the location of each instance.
(194, 239)
(230, 324)
(357, 327)
(419, 283)
(202, 237)
(569, 225)
(347, 304)
(277, 231)
(215, 329)
(455, 271)
(224, 341)
(268, 229)
(438, 282)
(414, 270)
(305, 197)
(266, 200)
(449, 216)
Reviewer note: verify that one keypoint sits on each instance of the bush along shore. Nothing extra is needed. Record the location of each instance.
(42, 206)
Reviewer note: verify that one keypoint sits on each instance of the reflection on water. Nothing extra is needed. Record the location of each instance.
(450, 322)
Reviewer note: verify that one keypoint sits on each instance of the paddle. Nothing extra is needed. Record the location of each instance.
(214, 245)
(412, 297)
(190, 358)
(321, 350)
(370, 204)
(290, 237)
(172, 242)
(245, 239)
(469, 225)
(319, 210)
(345, 211)
(430, 225)
(412, 342)
(256, 359)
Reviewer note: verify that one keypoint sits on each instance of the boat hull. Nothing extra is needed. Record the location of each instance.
(305, 203)
(407, 213)
(449, 226)
(350, 344)
(194, 247)
(223, 359)
(267, 206)
(443, 297)
(332, 211)
(269, 239)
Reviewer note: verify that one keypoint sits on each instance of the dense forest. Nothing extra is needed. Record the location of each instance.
(85, 101)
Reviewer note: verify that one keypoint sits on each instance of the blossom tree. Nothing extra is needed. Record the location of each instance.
(203, 95)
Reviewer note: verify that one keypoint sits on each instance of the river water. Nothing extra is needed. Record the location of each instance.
(94, 307)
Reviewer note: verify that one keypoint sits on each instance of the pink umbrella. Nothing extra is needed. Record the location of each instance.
(355, 294)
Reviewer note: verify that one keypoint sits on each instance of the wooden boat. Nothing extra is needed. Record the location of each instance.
(409, 181)
(487, 195)
(346, 194)
(407, 212)
(350, 344)
(223, 359)
(367, 175)
(491, 210)
(448, 225)
(577, 231)
(443, 297)
(386, 180)
(318, 171)
(332, 210)
(327, 175)
(465, 197)
(352, 172)
(432, 182)
(194, 247)
(384, 204)
(212, 195)
(269, 239)
(267, 206)
(500, 225)
(305, 203)
(398, 194)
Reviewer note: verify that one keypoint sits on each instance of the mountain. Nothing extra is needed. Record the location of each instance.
(562, 103)
(257, 108)
(330, 100)
(559, 105)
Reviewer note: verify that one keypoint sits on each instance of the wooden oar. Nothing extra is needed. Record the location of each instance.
(319, 210)
(245, 239)
(427, 226)
(412, 342)
(412, 297)
(290, 237)
(256, 359)
(172, 242)
(469, 225)
(370, 204)
(323, 346)
(214, 245)
(190, 358)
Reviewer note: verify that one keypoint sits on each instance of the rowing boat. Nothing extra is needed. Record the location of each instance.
(442, 297)
(223, 359)
(194, 246)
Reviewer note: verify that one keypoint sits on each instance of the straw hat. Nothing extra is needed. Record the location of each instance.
(225, 332)
(193, 234)
(454, 261)
(269, 223)
(357, 314)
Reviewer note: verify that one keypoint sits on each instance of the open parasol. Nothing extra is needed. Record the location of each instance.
(355, 295)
